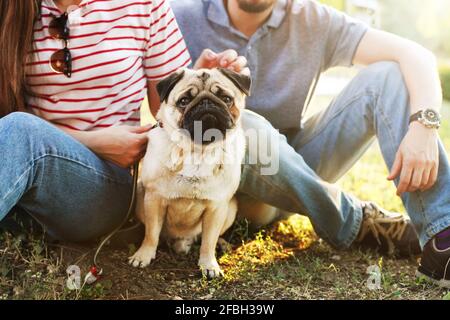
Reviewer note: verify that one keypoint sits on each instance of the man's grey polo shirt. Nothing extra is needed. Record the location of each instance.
(301, 39)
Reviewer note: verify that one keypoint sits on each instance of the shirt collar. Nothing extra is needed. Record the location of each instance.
(217, 13)
(278, 14)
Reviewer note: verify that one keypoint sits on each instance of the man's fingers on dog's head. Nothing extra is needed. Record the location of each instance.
(246, 71)
(227, 58)
(239, 64)
(209, 55)
(207, 59)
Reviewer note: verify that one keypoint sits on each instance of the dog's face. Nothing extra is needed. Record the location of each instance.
(202, 100)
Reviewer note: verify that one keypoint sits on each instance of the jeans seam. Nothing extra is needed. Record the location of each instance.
(11, 191)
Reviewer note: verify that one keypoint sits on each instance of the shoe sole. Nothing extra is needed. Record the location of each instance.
(441, 283)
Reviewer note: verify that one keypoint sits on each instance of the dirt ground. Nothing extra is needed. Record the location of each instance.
(285, 261)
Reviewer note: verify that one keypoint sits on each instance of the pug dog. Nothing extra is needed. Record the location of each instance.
(192, 167)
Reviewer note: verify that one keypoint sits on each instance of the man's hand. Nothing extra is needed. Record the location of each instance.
(417, 160)
(228, 59)
(122, 145)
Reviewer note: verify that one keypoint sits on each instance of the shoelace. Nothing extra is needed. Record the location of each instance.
(375, 221)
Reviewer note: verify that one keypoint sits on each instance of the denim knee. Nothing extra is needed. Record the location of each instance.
(385, 69)
(387, 76)
(386, 83)
(20, 123)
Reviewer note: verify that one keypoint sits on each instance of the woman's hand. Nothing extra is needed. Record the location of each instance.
(228, 59)
(417, 160)
(122, 145)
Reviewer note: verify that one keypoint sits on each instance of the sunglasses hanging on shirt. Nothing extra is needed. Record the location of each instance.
(61, 60)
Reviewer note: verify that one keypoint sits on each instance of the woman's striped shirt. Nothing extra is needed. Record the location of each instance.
(117, 46)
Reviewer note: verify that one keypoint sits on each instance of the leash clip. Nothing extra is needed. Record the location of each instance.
(93, 275)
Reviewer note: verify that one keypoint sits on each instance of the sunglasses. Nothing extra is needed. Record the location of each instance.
(61, 60)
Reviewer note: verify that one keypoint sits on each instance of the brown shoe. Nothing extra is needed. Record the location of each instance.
(389, 233)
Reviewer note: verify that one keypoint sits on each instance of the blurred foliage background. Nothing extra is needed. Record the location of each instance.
(424, 21)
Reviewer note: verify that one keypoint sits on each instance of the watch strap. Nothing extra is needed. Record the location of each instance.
(415, 117)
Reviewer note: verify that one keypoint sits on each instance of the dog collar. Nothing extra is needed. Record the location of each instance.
(158, 124)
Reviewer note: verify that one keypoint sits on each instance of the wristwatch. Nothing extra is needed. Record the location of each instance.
(429, 118)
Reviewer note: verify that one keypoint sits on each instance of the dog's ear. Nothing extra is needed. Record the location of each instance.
(166, 85)
(242, 81)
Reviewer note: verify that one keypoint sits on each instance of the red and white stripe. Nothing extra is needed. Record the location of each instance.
(117, 46)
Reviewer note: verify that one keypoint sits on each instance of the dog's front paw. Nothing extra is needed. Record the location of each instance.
(211, 269)
(142, 257)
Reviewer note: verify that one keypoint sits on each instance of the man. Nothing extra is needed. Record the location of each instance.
(288, 44)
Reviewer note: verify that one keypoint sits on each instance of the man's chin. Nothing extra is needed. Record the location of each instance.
(253, 6)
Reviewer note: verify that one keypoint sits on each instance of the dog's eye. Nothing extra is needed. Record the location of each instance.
(228, 100)
(183, 102)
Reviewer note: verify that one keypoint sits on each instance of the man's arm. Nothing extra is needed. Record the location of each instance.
(418, 66)
(417, 159)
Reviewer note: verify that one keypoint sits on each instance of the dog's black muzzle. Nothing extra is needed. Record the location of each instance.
(207, 122)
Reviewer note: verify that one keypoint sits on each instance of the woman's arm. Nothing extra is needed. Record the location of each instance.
(417, 159)
(122, 145)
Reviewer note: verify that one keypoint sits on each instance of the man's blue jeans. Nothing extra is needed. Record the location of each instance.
(77, 196)
(374, 105)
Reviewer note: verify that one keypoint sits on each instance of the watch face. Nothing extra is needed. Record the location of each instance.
(431, 117)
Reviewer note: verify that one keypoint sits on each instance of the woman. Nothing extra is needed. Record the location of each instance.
(73, 74)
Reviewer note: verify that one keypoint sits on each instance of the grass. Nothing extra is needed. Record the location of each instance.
(284, 261)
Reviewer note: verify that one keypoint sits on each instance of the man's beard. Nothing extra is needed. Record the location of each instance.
(252, 6)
